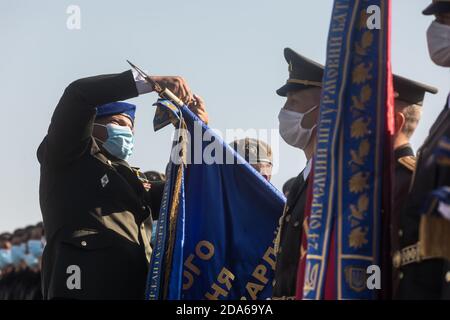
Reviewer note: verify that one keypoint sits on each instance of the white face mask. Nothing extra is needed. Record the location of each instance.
(438, 37)
(291, 129)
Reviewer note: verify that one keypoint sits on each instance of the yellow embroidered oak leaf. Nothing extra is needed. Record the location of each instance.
(358, 182)
(360, 128)
(357, 238)
(361, 73)
(363, 202)
(364, 148)
(363, 16)
(367, 39)
(355, 213)
(357, 103)
(360, 50)
(366, 93)
(362, 46)
(364, 96)
(358, 157)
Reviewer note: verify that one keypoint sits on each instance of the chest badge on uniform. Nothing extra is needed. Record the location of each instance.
(104, 180)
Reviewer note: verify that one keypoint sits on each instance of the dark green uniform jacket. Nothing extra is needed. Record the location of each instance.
(93, 205)
(424, 278)
(288, 254)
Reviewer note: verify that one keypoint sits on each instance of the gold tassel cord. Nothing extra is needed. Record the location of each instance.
(173, 215)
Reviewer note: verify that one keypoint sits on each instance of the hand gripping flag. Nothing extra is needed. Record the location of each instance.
(218, 219)
(350, 198)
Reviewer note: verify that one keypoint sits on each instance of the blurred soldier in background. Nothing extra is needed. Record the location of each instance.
(6, 265)
(257, 153)
(155, 176)
(20, 257)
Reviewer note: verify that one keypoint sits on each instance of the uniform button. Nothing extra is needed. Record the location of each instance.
(400, 275)
(288, 217)
(447, 276)
(296, 224)
(83, 243)
(144, 207)
(400, 233)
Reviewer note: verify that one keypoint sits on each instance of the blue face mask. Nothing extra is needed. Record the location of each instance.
(35, 247)
(18, 253)
(120, 141)
(31, 260)
(5, 258)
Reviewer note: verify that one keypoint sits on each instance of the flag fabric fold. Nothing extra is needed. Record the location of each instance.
(218, 219)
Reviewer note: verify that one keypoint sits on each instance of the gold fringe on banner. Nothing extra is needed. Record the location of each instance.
(173, 215)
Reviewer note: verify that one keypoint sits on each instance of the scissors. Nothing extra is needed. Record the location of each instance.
(164, 93)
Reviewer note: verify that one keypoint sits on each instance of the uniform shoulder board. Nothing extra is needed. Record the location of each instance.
(409, 162)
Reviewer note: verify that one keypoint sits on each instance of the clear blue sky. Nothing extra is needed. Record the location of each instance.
(229, 51)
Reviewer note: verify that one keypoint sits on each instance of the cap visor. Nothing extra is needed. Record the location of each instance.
(437, 7)
(283, 91)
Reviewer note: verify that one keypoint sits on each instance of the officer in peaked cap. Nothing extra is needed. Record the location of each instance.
(409, 97)
(298, 119)
(303, 73)
(436, 7)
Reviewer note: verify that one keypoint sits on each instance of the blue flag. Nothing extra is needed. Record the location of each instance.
(218, 219)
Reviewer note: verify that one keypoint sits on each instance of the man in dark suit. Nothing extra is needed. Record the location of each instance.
(93, 202)
(424, 227)
(298, 120)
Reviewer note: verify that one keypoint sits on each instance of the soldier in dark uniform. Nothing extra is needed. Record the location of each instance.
(409, 96)
(424, 228)
(298, 119)
(257, 153)
(287, 186)
(93, 202)
(6, 265)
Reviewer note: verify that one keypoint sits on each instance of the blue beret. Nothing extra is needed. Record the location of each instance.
(118, 107)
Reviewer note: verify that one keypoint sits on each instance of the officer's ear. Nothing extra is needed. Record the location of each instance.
(399, 119)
